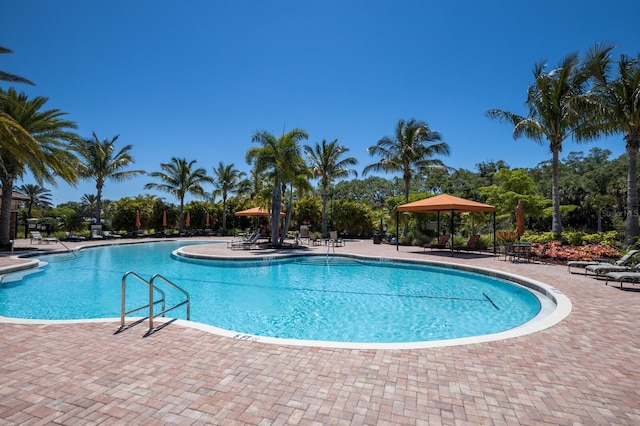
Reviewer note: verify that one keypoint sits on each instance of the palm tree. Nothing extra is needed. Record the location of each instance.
(102, 163)
(228, 180)
(41, 147)
(617, 110)
(88, 202)
(552, 115)
(179, 179)
(410, 151)
(326, 162)
(8, 124)
(38, 195)
(281, 159)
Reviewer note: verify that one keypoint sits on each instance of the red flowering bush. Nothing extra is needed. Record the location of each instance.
(554, 251)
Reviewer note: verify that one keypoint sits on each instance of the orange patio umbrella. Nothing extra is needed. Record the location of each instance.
(138, 219)
(164, 219)
(207, 221)
(187, 221)
(256, 211)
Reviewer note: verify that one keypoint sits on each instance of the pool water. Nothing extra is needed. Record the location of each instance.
(311, 298)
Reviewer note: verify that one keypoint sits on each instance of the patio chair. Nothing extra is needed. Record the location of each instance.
(36, 236)
(245, 244)
(629, 277)
(304, 234)
(109, 235)
(623, 261)
(472, 244)
(334, 239)
(441, 244)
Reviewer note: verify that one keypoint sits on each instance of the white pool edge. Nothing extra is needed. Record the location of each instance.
(548, 316)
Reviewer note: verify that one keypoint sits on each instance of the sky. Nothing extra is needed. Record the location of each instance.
(195, 79)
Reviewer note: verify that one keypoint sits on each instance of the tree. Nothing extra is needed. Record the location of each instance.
(411, 150)
(617, 108)
(102, 163)
(228, 180)
(551, 100)
(280, 158)
(38, 195)
(41, 147)
(179, 179)
(327, 164)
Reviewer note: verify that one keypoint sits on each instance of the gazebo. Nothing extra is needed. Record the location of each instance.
(446, 203)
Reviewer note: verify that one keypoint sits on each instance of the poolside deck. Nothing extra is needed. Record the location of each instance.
(584, 370)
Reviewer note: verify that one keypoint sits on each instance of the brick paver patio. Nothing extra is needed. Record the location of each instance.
(584, 370)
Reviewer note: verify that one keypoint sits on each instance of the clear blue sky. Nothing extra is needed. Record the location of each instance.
(195, 79)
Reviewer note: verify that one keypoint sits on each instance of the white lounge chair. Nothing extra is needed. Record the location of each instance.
(36, 236)
(244, 245)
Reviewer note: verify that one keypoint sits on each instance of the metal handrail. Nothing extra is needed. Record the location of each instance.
(187, 300)
(152, 303)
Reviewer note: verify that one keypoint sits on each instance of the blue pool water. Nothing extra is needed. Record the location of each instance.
(310, 298)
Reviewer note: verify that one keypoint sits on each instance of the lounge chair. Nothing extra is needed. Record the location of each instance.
(623, 261)
(70, 236)
(472, 244)
(108, 235)
(334, 239)
(629, 277)
(600, 270)
(96, 235)
(441, 244)
(36, 236)
(244, 245)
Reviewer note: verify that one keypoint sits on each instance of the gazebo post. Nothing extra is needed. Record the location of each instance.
(452, 233)
(494, 232)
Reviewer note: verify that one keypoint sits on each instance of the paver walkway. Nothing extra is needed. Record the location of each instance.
(584, 370)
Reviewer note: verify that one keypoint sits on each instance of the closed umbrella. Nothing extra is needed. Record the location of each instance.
(164, 219)
(207, 221)
(187, 221)
(519, 218)
(138, 219)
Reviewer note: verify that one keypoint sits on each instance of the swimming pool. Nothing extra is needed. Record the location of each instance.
(315, 298)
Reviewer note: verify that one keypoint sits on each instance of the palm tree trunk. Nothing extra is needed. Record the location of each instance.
(224, 216)
(407, 185)
(5, 214)
(556, 221)
(98, 204)
(324, 210)
(632, 229)
(275, 212)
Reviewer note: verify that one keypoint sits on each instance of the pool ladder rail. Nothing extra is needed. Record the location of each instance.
(152, 303)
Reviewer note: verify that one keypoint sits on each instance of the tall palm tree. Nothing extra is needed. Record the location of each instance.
(88, 204)
(38, 196)
(228, 180)
(410, 150)
(617, 109)
(7, 124)
(552, 115)
(179, 178)
(41, 148)
(281, 159)
(327, 164)
(103, 163)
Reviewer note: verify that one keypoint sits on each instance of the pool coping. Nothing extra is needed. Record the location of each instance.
(544, 292)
